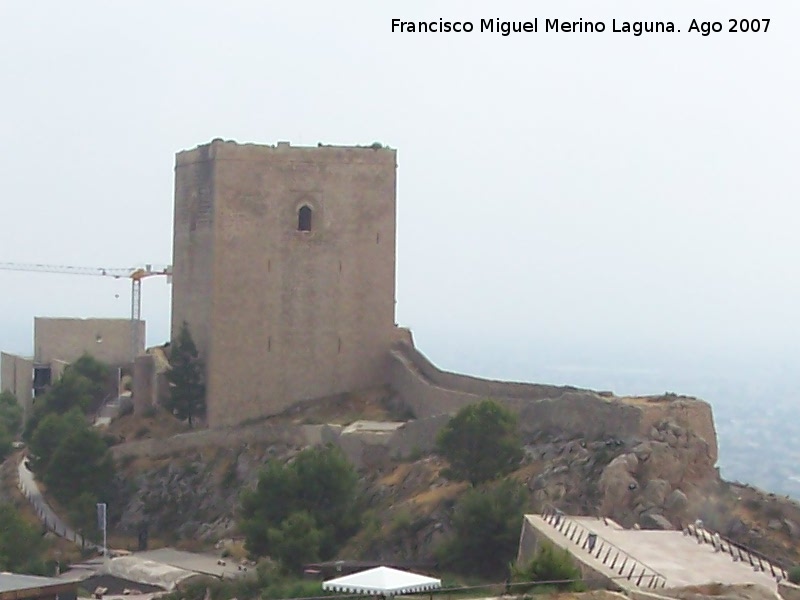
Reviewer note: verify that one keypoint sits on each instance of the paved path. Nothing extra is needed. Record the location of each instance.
(29, 488)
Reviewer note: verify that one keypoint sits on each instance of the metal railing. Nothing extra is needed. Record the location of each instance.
(618, 561)
(738, 552)
(51, 522)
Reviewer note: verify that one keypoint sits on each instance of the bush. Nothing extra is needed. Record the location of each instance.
(552, 565)
(486, 523)
(794, 574)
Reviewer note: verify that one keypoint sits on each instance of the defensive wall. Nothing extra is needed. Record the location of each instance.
(543, 409)
(434, 395)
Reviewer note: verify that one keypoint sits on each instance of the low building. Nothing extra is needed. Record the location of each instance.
(57, 342)
(30, 587)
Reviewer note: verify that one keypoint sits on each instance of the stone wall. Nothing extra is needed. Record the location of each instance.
(543, 409)
(144, 383)
(16, 376)
(221, 437)
(282, 315)
(107, 340)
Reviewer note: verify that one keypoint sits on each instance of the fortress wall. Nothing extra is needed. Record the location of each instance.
(581, 414)
(223, 438)
(690, 413)
(421, 394)
(486, 388)
(571, 412)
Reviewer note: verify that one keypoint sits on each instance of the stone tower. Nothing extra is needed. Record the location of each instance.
(284, 269)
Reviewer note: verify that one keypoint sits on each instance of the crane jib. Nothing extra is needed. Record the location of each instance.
(135, 274)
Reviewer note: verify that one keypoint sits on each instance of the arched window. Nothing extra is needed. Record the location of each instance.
(304, 218)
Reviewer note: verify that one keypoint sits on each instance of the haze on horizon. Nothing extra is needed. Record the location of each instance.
(568, 205)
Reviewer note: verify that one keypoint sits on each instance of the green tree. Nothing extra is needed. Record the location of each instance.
(72, 390)
(481, 442)
(486, 526)
(320, 483)
(80, 464)
(186, 378)
(84, 385)
(10, 422)
(99, 376)
(21, 544)
(296, 541)
(51, 431)
(10, 412)
(6, 442)
(83, 516)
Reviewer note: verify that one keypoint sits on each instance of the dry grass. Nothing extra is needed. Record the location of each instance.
(397, 476)
(369, 405)
(135, 427)
(432, 498)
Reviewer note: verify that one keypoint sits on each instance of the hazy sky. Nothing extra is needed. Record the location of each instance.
(576, 199)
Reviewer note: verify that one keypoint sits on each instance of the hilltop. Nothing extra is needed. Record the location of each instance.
(186, 486)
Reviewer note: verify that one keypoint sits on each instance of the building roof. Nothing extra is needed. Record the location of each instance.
(13, 582)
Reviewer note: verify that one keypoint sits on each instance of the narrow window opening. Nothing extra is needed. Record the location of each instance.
(340, 266)
(304, 218)
(378, 238)
(269, 344)
(339, 350)
(269, 266)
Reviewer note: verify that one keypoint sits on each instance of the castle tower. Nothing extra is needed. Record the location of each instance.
(284, 270)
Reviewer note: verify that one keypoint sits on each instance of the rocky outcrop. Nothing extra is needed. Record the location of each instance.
(651, 480)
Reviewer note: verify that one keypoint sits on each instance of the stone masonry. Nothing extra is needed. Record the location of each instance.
(284, 270)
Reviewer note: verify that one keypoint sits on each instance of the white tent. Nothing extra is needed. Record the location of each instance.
(383, 581)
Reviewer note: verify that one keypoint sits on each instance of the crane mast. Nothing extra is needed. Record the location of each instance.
(135, 274)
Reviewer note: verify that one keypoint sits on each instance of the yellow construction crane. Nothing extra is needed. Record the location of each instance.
(135, 274)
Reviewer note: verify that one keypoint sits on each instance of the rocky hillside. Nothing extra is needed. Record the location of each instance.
(665, 478)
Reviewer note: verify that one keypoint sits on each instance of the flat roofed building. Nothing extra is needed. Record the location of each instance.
(30, 587)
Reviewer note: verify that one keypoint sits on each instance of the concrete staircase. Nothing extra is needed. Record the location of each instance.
(652, 559)
(615, 563)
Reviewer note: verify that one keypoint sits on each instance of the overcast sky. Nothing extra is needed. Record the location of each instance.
(575, 199)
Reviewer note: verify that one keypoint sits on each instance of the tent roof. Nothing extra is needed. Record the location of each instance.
(382, 580)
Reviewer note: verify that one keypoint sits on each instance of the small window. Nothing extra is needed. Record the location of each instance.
(304, 218)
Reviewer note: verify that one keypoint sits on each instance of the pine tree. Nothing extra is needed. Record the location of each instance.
(186, 378)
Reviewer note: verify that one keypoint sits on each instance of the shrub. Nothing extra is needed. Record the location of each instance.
(552, 565)
(794, 574)
(486, 523)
